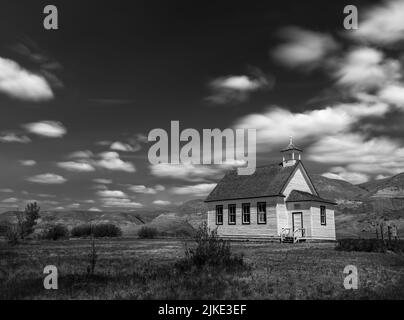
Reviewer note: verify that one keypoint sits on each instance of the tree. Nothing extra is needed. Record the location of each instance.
(28, 220)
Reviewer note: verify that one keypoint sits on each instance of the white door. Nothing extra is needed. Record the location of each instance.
(297, 219)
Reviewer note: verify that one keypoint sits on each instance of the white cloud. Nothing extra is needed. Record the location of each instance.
(303, 48)
(6, 190)
(276, 125)
(111, 194)
(10, 200)
(393, 94)
(381, 176)
(50, 129)
(188, 172)
(73, 205)
(81, 154)
(103, 181)
(236, 88)
(94, 209)
(13, 137)
(378, 155)
(146, 190)
(111, 161)
(366, 69)
(161, 202)
(22, 84)
(197, 190)
(341, 173)
(76, 166)
(122, 146)
(47, 178)
(121, 203)
(28, 163)
(382, 24)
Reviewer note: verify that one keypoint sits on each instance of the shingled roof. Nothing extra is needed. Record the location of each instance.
(297, 195)
(266, 181)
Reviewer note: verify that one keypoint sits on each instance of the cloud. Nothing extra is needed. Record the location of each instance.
(187, 172)
(303, 48)
(142, 189)
(111, 194)
(276, 125)
(10, 200)
(122, 146)
(22, 84)
(161, 202)
(81, 154)
(358, 154)
(50, 129)
(121, 203)
(6, 190)
(94, 209)
(366, 69)
(111, 161)
(13, 137)
(197, 190)
(341, 173)
(382, 24)
(393, 94)
(47, 178)
(73, 205)
(102, 181)
(236, 88)
(76, 166)
(28, 163)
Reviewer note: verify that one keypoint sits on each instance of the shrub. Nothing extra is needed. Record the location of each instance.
(28, 219)
(370, 245)
(12, 235)
(210, 250)
(147, 233)
(106, 230)
(82, 230)
(97, 230)
(55, 232)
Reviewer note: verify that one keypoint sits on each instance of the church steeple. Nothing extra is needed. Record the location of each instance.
(291, 154)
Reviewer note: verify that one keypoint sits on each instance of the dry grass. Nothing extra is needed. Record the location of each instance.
(145, 269)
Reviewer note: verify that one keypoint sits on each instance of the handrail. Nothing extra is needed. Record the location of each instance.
(284, 233)
(297, 237)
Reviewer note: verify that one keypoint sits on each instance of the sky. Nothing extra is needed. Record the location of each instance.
(77, 103)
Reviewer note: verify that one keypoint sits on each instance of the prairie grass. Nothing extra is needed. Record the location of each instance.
(147, 269)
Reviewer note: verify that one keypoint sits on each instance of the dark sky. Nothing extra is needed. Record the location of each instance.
(118, 69)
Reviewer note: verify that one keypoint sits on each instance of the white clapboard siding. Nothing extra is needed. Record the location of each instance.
(297, 182)
(323, 231)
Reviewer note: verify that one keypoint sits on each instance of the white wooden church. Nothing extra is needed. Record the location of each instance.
(278, 201)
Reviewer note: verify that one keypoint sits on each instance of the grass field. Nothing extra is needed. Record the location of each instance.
(146, 269)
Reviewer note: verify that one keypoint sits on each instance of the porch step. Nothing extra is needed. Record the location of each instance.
(287, 240)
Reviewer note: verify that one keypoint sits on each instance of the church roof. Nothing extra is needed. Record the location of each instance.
(297, 195)
(266, 181)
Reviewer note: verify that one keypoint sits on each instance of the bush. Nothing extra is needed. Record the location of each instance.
(97, 230)
(12, 235)
(210, 250)
(106, 230)
(83, 230)
(147, 233)
(55, 232)
(370, 245)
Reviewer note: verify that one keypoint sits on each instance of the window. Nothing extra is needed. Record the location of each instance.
(261, 212)
(232, 214)
(219, 214)
(246, 213)
(323, 218)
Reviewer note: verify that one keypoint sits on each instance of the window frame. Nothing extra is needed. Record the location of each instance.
(323, 214)
(243, 205)
(233, 205)
(265, 212)
(217, 214)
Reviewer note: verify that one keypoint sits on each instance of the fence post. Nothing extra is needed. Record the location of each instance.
(381, 231)
(377, 233)
(389, 232)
